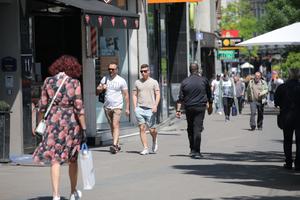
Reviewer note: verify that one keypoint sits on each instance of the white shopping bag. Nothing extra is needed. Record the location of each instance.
(87, 167)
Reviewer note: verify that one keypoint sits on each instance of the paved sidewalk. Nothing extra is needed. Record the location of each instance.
(237, 165)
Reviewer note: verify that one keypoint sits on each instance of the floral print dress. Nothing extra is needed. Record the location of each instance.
(61, 142)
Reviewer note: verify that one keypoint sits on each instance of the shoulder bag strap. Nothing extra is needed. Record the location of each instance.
(52, 101)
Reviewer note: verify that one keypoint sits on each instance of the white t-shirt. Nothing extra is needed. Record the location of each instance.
(114, 97)
(215, 83)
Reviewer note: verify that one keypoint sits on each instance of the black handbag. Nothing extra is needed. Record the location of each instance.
(101, 96)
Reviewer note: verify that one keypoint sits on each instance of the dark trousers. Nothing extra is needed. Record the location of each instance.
(241, 104)
(227, 104)
(287, 146)
(195, 117)
(259, 107)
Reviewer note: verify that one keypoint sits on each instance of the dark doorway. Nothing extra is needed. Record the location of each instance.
(55, 36)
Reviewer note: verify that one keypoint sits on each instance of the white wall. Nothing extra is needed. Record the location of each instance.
(10, 46)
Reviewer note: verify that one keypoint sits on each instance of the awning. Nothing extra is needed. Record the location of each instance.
(171, 1)
(103, 15)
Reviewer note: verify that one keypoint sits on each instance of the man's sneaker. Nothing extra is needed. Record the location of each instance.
(192, 153)
(56, 198)
(197, 155)
(155, 146)
(145, 151)
(76, 195)
(113, 149)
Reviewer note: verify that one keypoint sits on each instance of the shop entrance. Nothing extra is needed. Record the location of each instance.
(52, 36)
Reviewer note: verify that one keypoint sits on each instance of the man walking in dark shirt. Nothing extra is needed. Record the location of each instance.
(195, 94)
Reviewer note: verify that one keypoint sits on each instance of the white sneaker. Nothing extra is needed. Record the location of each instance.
(76, 195)
(56, 198)
(155, 146)
(145, 151)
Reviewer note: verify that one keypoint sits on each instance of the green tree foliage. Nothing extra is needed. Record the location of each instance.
(280, 13)
(238, 16)
(292, 62)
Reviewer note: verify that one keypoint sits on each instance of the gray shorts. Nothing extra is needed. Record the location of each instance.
(145, 116)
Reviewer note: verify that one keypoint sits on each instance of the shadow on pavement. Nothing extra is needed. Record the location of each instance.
(46, 198)
(266, 176)
(257, 198)
(255, 156)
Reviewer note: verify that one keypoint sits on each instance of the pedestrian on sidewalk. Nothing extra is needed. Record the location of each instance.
(287, 97)
(257, 92)
(146, 97)
(116, 88)
(65, 123)
(240, 92)
(195, 95)
(216, 95)
(228, 95)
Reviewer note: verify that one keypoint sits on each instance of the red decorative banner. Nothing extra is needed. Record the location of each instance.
(113, 21)
(125, 22)
(100, 20)
(136, 23)
(87, 19)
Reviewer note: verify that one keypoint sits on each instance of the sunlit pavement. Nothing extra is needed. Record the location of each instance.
(237, 164)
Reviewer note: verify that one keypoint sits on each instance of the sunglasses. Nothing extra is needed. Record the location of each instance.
(144, 71)
(111, 69)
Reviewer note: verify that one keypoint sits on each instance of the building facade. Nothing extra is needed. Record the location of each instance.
(35, 33)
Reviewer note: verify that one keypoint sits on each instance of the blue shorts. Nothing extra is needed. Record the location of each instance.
(145, 116)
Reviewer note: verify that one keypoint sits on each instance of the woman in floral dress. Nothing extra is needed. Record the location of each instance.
(65, 122)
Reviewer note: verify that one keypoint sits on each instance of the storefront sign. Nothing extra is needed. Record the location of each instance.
(230, 33)
(199, 36)
(229, 43)
(107, 1)
(9, 64)
(171, 1)
(227, 54)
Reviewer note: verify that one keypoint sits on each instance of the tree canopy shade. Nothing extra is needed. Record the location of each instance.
(279, 13)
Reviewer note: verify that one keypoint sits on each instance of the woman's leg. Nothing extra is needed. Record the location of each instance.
(73, 174)
(55, 175)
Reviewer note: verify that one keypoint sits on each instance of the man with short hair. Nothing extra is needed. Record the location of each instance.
(257, 91)
(116, 88)
(195, 94)
(146, 97)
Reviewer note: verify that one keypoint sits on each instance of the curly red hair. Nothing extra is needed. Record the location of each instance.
(67, 64)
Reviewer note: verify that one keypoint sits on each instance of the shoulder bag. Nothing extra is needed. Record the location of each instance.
(41, 127)
(102, 94)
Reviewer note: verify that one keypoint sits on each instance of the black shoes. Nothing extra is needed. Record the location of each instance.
(252, 128)
(288, 166)
(114, 149)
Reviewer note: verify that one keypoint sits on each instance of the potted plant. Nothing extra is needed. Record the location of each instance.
(4, 131)
(4, 107)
